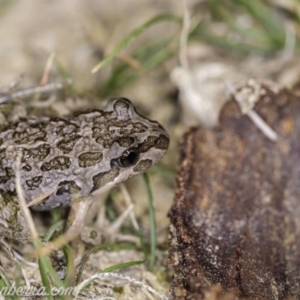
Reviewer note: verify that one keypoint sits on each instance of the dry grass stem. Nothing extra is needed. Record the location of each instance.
(48, 66)
(128, 201)
(100, 276)
(21, 94)
(21, 197)
(114, 227)
(262, 125)
(41, 198)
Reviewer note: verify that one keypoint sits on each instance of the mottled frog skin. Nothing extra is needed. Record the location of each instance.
(80, 154)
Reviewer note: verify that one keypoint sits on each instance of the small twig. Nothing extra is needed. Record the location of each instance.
(132, 62)
(41, 198)
(246, 104)
(51, 87)
(112, 228)
(20, 258)
(262, 125)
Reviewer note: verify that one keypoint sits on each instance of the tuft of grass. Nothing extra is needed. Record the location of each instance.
(136, 32)
(69, 279)
(263, 31)
(48, 274)
(149, 57)
(56, 227)
(145, 59)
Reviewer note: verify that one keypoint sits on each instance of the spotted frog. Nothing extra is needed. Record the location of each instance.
(75, 156)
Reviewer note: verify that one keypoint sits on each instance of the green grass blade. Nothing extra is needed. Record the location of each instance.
(5, 284)
(265, 34)
(164, 172)
(55, 227)
(70, 272)
(46, 270)
(45, 278)
(4, 278)
(137, 31)
(274, 29)
(149, 56)
(99, 248)
(223, 43)
(122, 266)
(153, 240)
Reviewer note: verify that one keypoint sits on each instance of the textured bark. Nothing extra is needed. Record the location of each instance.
(235, 223)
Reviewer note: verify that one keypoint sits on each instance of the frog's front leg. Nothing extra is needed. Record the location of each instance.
(75, 224)
(102, 232)
(87, 217)
(76, 219)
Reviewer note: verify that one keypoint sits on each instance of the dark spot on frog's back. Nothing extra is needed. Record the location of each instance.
(139, 127)
(2, 153)
(38, 153)
(88, 159)
(161, 142)
(34, 182)
(9, 174)
(68, 143)
(125, 141)
(148, 143)
(27, 168)
(21, 137)
(103, 178)
(67, 128)
(69, 187)
(143, 165)
(57, 163)
(34, 132)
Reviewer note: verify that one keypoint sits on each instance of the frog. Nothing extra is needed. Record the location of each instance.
(72, 157)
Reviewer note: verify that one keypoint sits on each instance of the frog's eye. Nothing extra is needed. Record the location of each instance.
(128, 158)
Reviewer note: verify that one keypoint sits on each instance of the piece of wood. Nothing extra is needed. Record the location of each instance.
(235, 223)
